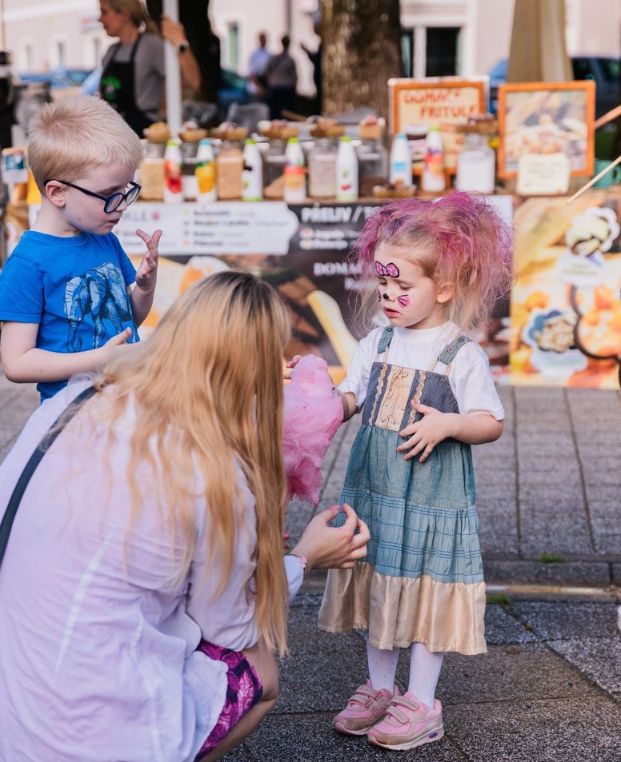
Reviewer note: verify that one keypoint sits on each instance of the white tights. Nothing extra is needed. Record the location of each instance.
(425, 669)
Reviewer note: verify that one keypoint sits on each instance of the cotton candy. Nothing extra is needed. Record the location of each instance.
(313, 414)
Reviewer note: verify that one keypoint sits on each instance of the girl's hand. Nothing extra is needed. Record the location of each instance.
(146, 275)
(425, 434)
(289, 366)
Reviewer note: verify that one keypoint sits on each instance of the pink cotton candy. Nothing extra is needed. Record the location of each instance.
(313, 414)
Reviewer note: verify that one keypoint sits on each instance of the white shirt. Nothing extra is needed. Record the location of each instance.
(469, 374)
(97, 641)
(257, 66)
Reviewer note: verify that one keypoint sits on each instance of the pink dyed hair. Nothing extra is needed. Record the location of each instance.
(459, 239)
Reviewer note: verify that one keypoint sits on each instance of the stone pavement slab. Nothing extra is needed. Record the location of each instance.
(563, 730)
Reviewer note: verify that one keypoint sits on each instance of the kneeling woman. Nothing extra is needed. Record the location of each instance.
(143, 588)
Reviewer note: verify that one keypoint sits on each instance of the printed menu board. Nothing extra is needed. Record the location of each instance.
(304, 250)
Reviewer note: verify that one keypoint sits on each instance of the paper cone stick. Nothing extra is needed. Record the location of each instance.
(593, 180)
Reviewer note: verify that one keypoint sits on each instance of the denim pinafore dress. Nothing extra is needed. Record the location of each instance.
(422, 579)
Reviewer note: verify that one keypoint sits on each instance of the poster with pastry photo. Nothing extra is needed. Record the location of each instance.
(566, 296)
(546, 118)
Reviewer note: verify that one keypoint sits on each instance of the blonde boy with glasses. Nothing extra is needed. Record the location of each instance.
(69, 295)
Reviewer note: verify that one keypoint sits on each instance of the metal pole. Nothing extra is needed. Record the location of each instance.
(173, 75)
(2, 35)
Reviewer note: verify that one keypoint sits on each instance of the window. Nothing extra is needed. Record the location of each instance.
(59, 54)
(232, 44)
(442, 51)
(407, 52)
(26, 57)
(92, 52)
(428, 51)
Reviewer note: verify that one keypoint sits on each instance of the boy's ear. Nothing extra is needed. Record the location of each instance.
(55, 193)
(445, 292)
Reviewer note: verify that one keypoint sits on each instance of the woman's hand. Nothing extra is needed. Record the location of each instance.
(326, 547)
(173, 31)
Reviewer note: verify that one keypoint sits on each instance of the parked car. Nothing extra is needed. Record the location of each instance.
(58, 79)
(605, 72)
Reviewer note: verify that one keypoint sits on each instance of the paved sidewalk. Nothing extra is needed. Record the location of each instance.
(549, 688)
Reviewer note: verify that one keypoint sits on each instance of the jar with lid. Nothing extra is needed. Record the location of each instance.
(229, 169)
(476, 164)
(322, 168)
(274, 168)
(372, 165)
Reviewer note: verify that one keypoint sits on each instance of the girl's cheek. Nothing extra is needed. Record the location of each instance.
(404, 301)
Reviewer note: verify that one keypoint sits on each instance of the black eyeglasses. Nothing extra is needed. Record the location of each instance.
(111, 202)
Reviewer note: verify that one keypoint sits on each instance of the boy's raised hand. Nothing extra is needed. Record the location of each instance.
(146, 274)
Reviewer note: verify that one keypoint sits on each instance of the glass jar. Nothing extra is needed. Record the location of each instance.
(372, 166)
(476, 165)
(274, 169)
(322, 168)
(229, 169)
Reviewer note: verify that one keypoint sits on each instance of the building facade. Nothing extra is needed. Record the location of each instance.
(440, 37)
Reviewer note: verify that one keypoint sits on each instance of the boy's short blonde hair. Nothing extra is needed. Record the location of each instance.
(71, 136)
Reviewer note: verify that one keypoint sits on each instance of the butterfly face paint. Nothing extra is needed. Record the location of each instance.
(391, 270)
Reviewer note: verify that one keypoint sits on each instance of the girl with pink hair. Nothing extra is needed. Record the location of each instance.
(434, 269)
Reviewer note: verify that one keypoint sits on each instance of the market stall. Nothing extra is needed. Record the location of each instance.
(288, 202)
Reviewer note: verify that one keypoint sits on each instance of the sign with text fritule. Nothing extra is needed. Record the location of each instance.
(436, 101)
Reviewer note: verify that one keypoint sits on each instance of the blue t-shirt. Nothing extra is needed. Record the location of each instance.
(74, 288)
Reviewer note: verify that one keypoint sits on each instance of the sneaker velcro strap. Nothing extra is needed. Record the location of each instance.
(407, 704)
(362, 695)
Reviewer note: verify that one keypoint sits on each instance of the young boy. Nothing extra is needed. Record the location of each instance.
(69, 295)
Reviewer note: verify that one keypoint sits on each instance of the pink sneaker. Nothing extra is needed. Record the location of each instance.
(363, 710)
(408, 723)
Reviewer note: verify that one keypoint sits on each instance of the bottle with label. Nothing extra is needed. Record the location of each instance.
(400, 161)
(433, 180)
(173, 178)
(346, 171)
(476, 165)
(205, 172)
(252, 178)
(295, 179)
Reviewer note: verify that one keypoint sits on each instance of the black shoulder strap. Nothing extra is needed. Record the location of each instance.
(33, 462)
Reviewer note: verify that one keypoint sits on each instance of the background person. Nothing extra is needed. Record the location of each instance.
(143, 588)
(133, 73)
(315, 59)
(257, 65)
(282, 78)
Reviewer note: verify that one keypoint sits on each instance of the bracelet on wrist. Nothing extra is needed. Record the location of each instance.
(301, 560)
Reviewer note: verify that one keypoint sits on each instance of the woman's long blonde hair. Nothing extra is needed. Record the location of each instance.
(208, 393)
